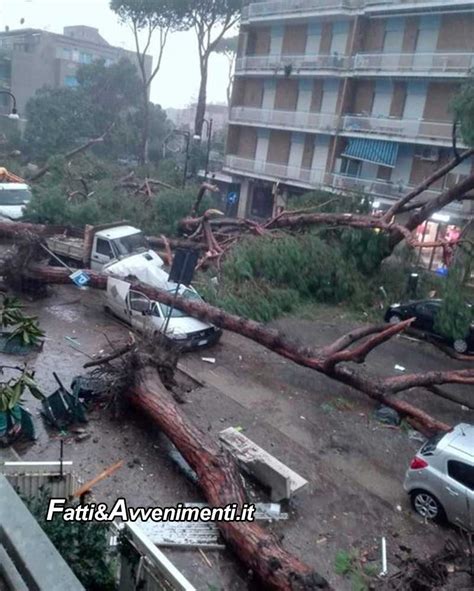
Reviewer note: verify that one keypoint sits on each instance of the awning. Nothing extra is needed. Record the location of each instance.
(376, 151)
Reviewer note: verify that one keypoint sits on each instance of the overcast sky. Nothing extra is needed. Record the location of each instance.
(177, 83)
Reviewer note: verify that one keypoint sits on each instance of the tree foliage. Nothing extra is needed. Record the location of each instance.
(59, 119)
(211, 20)
(463, 106)
(148, 19)
(83, 545)
(455, 315)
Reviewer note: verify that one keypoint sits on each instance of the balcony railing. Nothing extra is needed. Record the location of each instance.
(414, 63)
(312, 177)
(264, 9)
(295, 62)
(431, 131)
(377, 188)
(297, 8)
(287, 119)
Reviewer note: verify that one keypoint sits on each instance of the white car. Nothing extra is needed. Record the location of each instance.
(150, 317)
(13, 199)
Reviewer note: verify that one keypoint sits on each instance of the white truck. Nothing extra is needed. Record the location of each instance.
(102, 245)
(13, 199)
(122, 252)
(150, 317)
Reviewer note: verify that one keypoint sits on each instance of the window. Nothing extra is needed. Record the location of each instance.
(351, 167)
(131, 244)
(71, 81)
(66, 53)
(14, 197)
(463, 473)
(104, 248)
(187, 294)
(139, 302)
(85, 58)
(430, 446)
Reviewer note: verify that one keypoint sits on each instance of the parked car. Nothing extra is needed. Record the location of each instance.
(14, 197)
(150, 317)
(424, 312)
(440, 479)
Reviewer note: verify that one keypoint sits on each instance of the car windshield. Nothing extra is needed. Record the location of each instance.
(429, 447)
(187, 294)
(131, 244)
(14, 196)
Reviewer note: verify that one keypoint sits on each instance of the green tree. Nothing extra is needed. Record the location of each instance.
(83, 545)
(455, 316)
(463, 106)
(149, 19)
(211, 20)
(228, 47)
(58, 119)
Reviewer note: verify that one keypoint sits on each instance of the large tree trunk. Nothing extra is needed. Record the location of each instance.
(330, 360)
(221, 483)
(202, 97)
(146, 127)
(431, 207)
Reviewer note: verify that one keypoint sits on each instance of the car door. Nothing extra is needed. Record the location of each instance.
(424, 314)
(102, 253)
(139, 309)
(459, 487)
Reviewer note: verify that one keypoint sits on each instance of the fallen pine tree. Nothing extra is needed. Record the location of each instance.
(334, 360)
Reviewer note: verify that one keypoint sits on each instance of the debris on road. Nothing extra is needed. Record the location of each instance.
(273, 474)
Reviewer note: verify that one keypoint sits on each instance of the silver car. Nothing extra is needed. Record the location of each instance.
(440, 479)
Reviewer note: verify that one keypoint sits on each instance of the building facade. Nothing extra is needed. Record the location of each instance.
(347, 95)
(31, 59)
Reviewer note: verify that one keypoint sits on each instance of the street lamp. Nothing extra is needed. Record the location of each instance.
(14, 112)
(187, 137)
(209, 124)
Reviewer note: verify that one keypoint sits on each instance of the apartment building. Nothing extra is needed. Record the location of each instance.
(347, 95)
(31, 59)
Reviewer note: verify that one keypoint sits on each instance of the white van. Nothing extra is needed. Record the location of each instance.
(150, 317)
(13, 199)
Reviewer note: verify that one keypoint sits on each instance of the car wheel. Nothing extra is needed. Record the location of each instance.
(460, 346)
(394, 318)
(427, 505)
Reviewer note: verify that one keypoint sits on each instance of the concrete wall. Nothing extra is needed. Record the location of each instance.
(32, 554)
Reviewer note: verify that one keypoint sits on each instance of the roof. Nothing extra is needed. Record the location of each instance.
(118, 232)
(14, 186)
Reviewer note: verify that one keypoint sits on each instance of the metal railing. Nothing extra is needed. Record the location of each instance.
(410, 128)
(437, 63)
(287, 119)
(296, 8)
(378, 188)
(30, 478)
(295, 62)
(308, 176)
(257, 9)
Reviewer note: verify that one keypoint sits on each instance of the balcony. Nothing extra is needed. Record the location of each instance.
(295, 120)
(266, 11)
(431, 132)
(257, 11)
(382, 189)
(414, 64)
(292, 64)
(259, 168)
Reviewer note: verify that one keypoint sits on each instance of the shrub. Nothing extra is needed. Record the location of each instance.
(83, 545)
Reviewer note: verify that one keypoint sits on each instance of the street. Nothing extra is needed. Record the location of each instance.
(321, 429)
